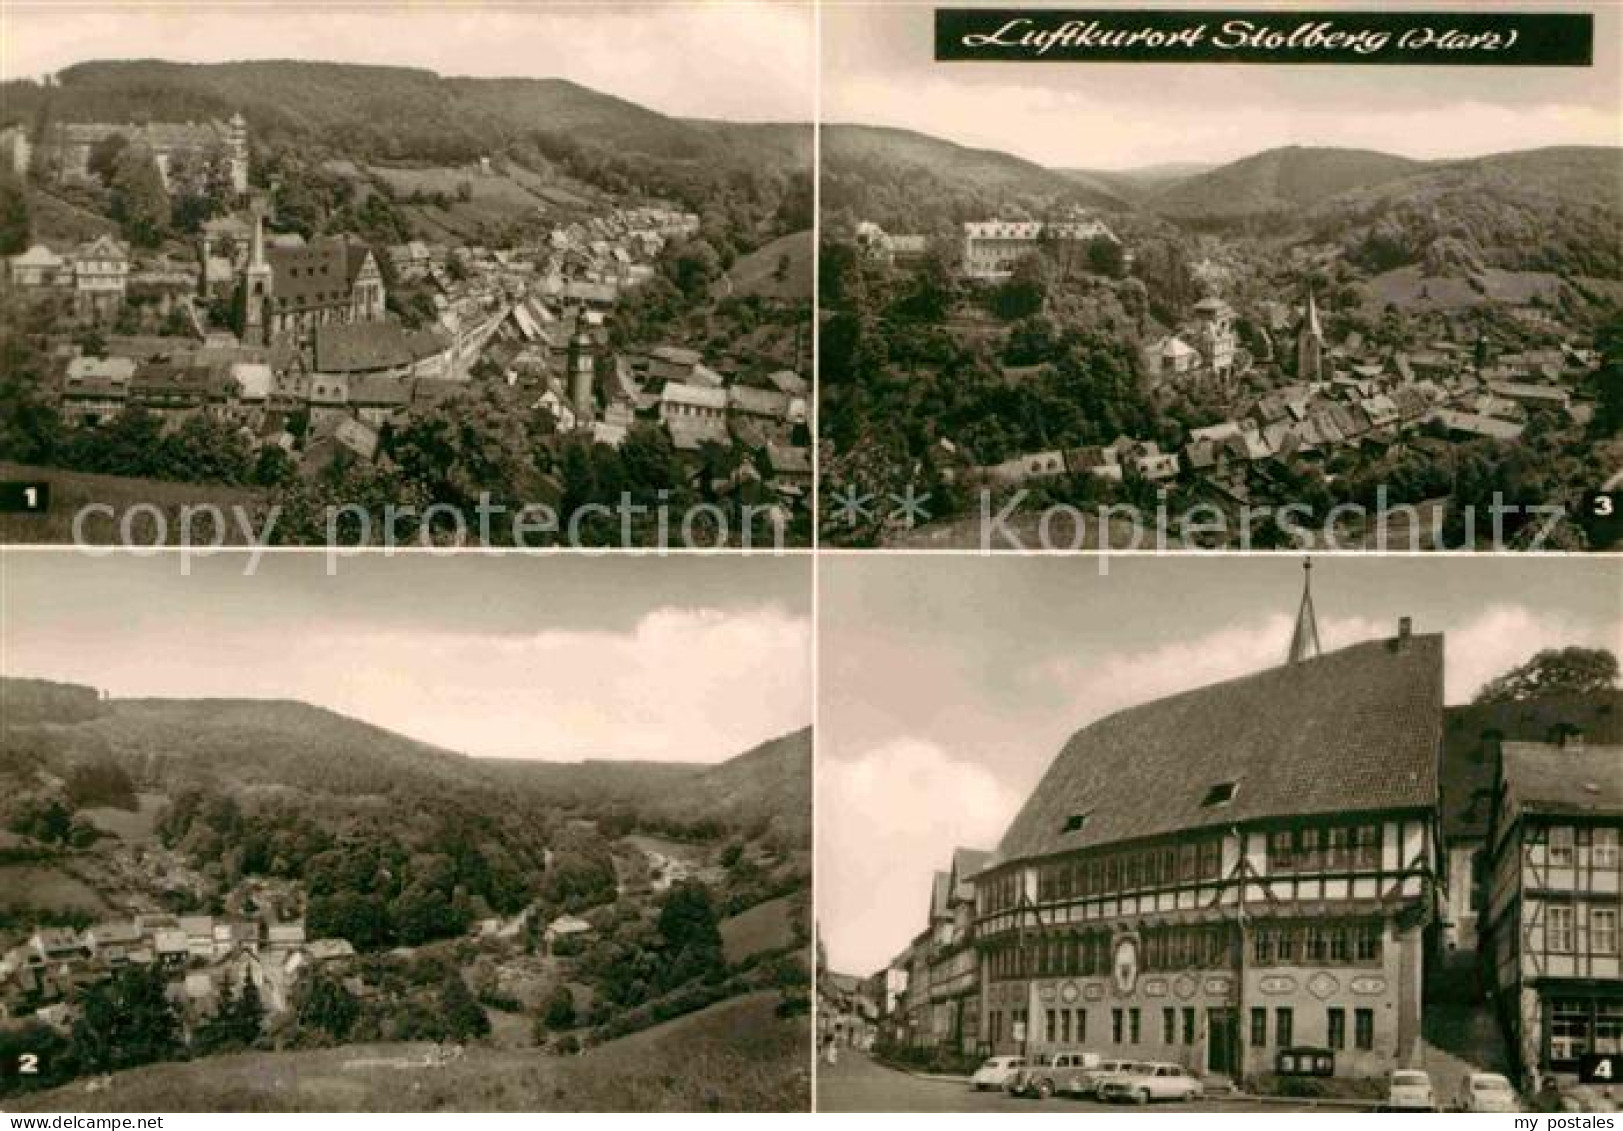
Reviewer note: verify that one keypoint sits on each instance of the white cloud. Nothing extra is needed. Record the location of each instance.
(886, 821)
(1503, 636)
(684, 684)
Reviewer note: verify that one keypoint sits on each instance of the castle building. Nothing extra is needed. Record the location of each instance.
(66, 148)
(992, 248)
(1310, 344)
(1555, 892)
(1220, 876)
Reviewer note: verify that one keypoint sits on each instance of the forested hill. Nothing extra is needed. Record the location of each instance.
(1276, 181)
(379, 112)
(283, 746)
(371, 113)
(909, 181)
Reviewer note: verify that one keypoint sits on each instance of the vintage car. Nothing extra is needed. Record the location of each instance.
(1146, 1082)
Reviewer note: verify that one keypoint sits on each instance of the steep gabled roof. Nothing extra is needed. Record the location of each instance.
(1355, 730)
(1544, 778)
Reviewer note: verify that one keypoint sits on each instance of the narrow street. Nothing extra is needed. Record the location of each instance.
(857, 1083)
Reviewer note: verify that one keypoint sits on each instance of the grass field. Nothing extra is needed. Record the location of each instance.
(780, 270)
(735, 1056)
(132, 828)
(766, 926)
(131, 500)
(1407, 287)
(47, 886)
(495, 198)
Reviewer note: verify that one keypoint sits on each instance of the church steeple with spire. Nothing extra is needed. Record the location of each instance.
(1305, 640)
(1310, 343)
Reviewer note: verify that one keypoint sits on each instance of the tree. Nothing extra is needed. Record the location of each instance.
(464, 1017)
(1554, 671)
(694, 266)
(104, 155)
(560, 1010)
(322, 1003)
(126, 1021)
(15, 228)
(140, 203)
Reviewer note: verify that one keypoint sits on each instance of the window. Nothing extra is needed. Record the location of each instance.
(1134, 1026)
(1367, 846)
(1220, 794)
(1074, 822)
(1364, 1028)
(1340, 852)
(1262, 946)
(1603, 849)
(1558, 936)
(1569, 1031)
(1211, 859)
(1281, 858)
(1284, 1027)
(1285, 945)
(1338, 944)
(1050, 1027)
(1316, 948)
(1308, 857)
(1561, 846)
(1115, 1026)
(1367, 947)
(1338, 1028)
(1188, 1025)
(1065, 1026)
(1603, 930)
(1259, 1027)
(1186, 863)
(1081, 1026)
(1169, 1026)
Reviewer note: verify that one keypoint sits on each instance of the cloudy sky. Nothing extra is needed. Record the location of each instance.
(747, 61)
(683, 658)
(948, 683)
(878, 69)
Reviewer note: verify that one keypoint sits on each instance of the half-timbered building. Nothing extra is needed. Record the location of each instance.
(1231, 872)
(1551, 923)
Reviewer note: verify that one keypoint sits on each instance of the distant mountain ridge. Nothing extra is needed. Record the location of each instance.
(237, 743)
(382, 113)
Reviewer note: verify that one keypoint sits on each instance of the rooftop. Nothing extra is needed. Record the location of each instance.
(1355, 730)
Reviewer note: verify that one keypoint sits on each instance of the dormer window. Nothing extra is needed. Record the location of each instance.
(1220, 794)
(1074, 823)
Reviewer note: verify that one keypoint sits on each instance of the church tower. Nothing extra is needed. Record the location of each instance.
(256, 286)
(1305, 640)
(1310, 344)
(236, 140)
(582, 377)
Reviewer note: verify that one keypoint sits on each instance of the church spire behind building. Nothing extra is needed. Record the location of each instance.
(1305, 640)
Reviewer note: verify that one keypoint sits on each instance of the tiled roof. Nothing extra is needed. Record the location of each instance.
(1353, 730)
(1546, 778)
(357, 347)
(317, 274)
(1469, 758)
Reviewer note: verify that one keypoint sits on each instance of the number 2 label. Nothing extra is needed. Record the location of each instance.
(28, 1064)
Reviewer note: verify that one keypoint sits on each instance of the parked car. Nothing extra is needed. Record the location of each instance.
(1487, 1091)
(1048, 1073)
(1409, 1089)
(1145, 1082)
(1089, 1081)
(998, 1072)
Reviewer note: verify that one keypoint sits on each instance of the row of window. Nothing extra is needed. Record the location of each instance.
(1178, 1026)
(1561, 932)
(1565, 841)
(1318, 943)
(1578, 1026)
(1088, 953)
(1340, 848)
(1335, 848)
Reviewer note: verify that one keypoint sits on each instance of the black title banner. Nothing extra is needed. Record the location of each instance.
(1458, 39)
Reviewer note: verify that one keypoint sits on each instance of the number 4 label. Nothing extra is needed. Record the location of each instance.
(1599, 1068)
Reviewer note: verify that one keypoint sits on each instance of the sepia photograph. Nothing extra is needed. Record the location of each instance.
(1338, 834)
(1088, 302)
(474, 833)
(507, 275)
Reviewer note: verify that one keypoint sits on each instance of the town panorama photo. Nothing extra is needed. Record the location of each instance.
(529, 276)
(1341, 307)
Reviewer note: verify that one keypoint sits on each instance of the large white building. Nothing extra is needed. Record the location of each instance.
(991, 248)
